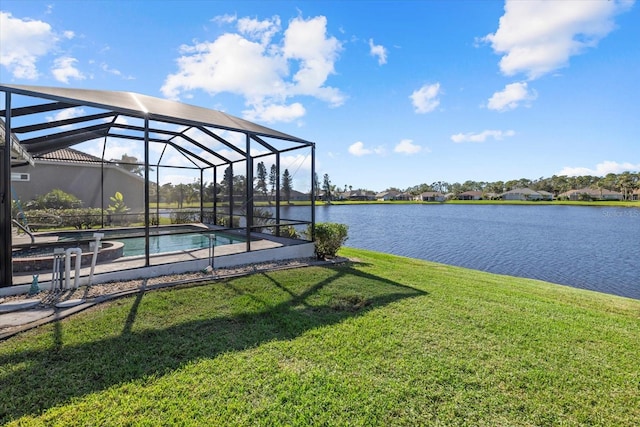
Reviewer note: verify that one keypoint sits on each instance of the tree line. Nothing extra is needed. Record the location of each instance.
(625, 183)
(231, 186)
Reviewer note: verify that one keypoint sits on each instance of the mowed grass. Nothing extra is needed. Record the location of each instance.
(379, 341)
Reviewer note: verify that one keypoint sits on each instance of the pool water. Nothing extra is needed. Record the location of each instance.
(174, 242)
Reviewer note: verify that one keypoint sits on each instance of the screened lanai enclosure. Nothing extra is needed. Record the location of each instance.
(103, 185)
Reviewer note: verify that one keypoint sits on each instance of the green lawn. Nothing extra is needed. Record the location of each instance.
(380, 341)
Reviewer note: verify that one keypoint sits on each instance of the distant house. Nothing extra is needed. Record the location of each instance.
(387, 195)
(470, 195)
(296, 196)
(545, 195)
(636, 194)
(361, 195)
(430, 196)
(521, 194)
(590, 194)
(81, 175)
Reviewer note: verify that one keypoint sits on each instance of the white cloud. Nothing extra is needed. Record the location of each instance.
(114, 150)
(425, 99)
(378, 51)
(511, 97)
(176, 179)
(264, 71)
(358, 149)
(482, 136)
(406, 146)
(601, 169)
(115, 72)
(64, 68)
(538, 37)
(295, 164)
(24, 41)
(224, 19)
(67, 113)
(262, 31)
(68, 34)
(275, 113)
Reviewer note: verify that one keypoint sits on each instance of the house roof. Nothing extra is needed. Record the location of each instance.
(471, 193)
(590, 191)
(431, 194)
(526, 191)
(69, 155)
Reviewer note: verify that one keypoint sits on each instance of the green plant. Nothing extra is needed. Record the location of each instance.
(81, 218)
(54, 199)
(329, 237)
(118, 206)
(117, 210)
(289, 231)
(184, 216)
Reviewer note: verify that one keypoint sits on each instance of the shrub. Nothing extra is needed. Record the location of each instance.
(81, 218)
(329, 237)
(117, 210)
(55, 199)
(289, 231)
(184, 217)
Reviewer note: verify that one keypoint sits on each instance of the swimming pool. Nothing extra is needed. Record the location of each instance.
(169, 239)
(175, 242)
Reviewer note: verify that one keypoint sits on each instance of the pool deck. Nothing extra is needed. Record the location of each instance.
(263, 247)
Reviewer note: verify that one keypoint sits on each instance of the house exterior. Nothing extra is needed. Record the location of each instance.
(296, 196)
(636, 194)
(361, 195)
(591, 194)
(387, 195)
(81, 175)
(521, 194)
(545, 195)
(470, 195)
(430, 196)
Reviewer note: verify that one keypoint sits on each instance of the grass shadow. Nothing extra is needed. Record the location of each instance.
(30, 386)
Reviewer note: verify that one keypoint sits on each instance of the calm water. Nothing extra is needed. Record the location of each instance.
(585, 247)
(174, 242)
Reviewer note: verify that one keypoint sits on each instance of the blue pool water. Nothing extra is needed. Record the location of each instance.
(174, 242)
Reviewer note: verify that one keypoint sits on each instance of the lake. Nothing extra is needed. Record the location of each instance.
(595, 248)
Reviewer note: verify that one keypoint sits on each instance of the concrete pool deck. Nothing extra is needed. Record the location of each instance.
(263, 248)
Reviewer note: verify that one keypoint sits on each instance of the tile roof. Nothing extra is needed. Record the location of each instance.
(69, 155)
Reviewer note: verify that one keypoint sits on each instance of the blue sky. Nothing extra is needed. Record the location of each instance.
(393, 93)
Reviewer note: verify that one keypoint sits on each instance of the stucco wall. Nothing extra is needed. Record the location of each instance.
(83, 181)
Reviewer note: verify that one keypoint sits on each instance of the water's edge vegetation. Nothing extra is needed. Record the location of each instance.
(380, 340)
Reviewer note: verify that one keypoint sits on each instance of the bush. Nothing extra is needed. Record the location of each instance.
(329, 237)
(55, 199)
(81, 218)
(184, 217)
(289, 231)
